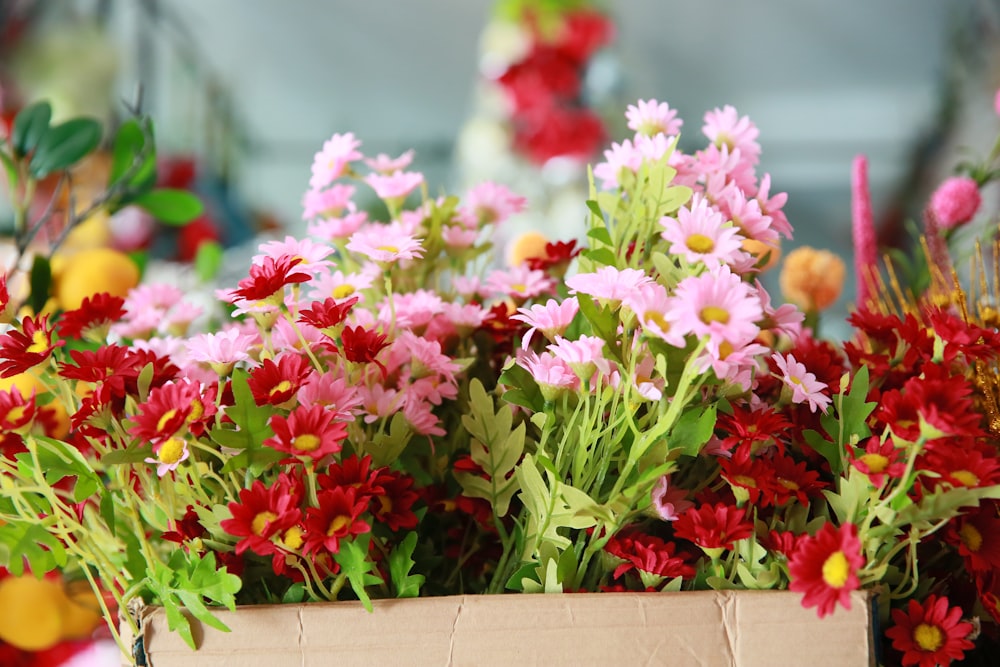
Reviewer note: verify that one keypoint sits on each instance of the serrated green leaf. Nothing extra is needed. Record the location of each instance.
(354, 563)
(30, 126)
(825, 448)
(400, 564)
(170, 206)
(64, 145)
(693, 429)
(31, 542)
(524, 390)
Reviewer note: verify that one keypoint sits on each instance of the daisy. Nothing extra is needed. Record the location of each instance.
(421, 418)
(337, 517)
(746, 214)
(267, 280)
(331, 391)
(551, 319)
(717, 304)
(274, 383)
(392, 504)
(331, 162)
(669, 503)
(361, 346)
(394, 186)
(620, 157)
(458, 236)
(221, 351)
(413, 310)
(771, 206)
(169, 454)
(786, 318)
(518, 282)
(930, 634)
(725, 127)
(385, 243)
(649, 117)
(879, 460)
(93, 319)
(552, 374)
(312, 255)
(608, 284)
(977, 537)
(329, 203)
(824, 567)
(713, 527)
(652, 149)
(328, 314)
(22, 350)
(584, 355)
(337, 227)
(650, 303)
(464, 317)
(492, 203)
(803, 384)
(341, 286)
(699, 233)
(307, 432)
(262, 514)
(385, 164)
(650, 555)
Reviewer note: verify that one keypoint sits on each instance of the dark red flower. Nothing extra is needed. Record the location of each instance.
(977, 536)
(269, 278)
(327, 314)
(713, 526)
(185, 529)
(337, 517)
(824, 567)
(275, 383)
(17, 412)
(393, 504)
(93, 318)
(362, 346)
(650, 554)
(557, 257)
(23, 349)
(755, 429)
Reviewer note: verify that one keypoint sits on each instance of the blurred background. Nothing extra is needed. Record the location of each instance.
(244, 92)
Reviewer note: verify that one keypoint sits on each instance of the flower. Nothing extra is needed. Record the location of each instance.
(650, 118)
(824, 567)
(955, 201)
(931, 633)
(812, 279)
(307, 431)
(329, 164)
(30, 346)
(805, 388)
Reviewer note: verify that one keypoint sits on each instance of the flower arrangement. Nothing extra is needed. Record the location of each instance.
(381, 411)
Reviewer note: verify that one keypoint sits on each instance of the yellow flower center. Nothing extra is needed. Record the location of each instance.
(385, 504)
(700, 243)
(711, 314)
(971, 537)
(836, 570)
(389, 248)
(657, 319)
(725, 349)
(15, 414)
(171, 451)
(928, 637)
(259, 523)
(966, 477)
(876, 462)
(197, 410)
(167, 416)
(343, 291)
(307, 442)
(745, 480)
(39, 343)
(280, 388)
(519, 287)
(337, 524)
(292, 538)
(788, 484)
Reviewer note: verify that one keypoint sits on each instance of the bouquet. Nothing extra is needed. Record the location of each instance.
(380, 410)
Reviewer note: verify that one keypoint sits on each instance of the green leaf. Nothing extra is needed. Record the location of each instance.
(171, 206)
(128, 149)
(525, 391)
(827, 449)
(354, 563)
(133, 454)
(59, 461)
(208, 261)
(400, 564)
(387, 447)
(41, 282)
(30, 125)
(31, 542)
(694, 428)
(599, 234)
(601, 256)
(64, 145)
(604, 323)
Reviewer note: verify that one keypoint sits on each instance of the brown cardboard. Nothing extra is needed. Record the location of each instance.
(690, 629)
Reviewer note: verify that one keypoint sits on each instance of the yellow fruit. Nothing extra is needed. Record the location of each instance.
(31, 612)
(91, 271)
(91, 233)
(527, 246)
(26, 384)
(82, 613)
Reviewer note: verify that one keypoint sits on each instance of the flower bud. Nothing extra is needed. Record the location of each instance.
(812, 279)
(955, 201)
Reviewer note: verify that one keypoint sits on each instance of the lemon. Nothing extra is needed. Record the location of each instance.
(27, 384)
(31, 616)
(92, 271)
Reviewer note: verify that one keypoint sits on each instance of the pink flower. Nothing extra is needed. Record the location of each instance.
(458, 236)
(396, 185)
(518, 282)
(772, 206)
(725, 127)
(584, 355)
(863, 231)
(996, 103)
(331, 228)
(330, 163)
(384, 164)
(552, 374)
(340, 286)
(550, 319)
(312, 255)
(669, 503)
(955, 201)
(332, 392)
(620, 156)
(327, 203)
(699, 233)
(651, 118)
(786, 318)
(491, 203)
(650, 303)
(385, 243)
(221, 350)
(804, 385)
(718, 304)
(608, 283)
(746, 214)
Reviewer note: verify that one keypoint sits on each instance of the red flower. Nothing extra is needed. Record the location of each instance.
(793, 479)
(269, 278)
(648, 553)
(186, 528)
(337, 517)
(879, 460)
(353, 472)
(977, 537)
(307, 432)
(17, 413)
(362, 346)
(931, 634)
(393, 504)
(327, 314)
(755, 429)
(25, 349)
(167, 410)
(824, 568)
(557, 257)
(263, 514)
(93, 318)
(713, 526)
(4, 295)
(275, 383)
(107, 365)
(959, 462)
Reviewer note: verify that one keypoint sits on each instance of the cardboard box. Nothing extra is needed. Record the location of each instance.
(696, 629)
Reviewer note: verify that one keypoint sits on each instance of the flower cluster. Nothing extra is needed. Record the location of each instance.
(382, 411)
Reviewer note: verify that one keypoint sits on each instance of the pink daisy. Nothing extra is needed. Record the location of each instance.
(551, 319)
(650, 303)
(699, 233)
(385, 164)
(465, 317)
(312, 255)
(718, 304)
(385, 243)
(747, 215)
(669, 503)
(608, 284)
(333, 228)
(396, 185)
(786, 318)
(413, 310)
(804, 385)
(725, 127)
(651, 118)
(329, 203)
(771, 206)
(617, 158)
(492, 203)
(331, 391)
(584, 355)
(341, 286)
(223, 350)
(518, 282)
(330, 163)
(653, 148)
(552, 374)
(459, 236)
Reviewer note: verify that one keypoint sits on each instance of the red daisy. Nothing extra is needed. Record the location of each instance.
(713, 526)
(327, 314)
(93, 318)
(393, 505)
(18, 413)
(185, 529)
(794, 479)
(165, 412)
(756, 429)
(307, 432)
(21, 350)
(107, 364)
(267, 280)
(879, 460)
(4, 295)
(750, 476)
(362, 346)
(275, 383)
(824, 567)
(649, 554)
(557, 257)
(977, 537)
(931, 634)
(353, 472)
(263, 514)
(337, 517)
(959, 462)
